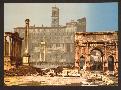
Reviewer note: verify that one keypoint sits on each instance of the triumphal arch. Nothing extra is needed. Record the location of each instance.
(96, 51)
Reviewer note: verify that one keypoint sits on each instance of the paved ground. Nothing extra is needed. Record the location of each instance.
(43, 80)
(21, 80)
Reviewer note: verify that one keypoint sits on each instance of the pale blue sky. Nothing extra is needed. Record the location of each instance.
(99, 16)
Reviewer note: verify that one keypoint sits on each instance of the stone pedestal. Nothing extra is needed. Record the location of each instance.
(7, 63)
(26, 59)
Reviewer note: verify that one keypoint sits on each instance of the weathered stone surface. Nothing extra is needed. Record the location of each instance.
(12, 50)
(98, 50)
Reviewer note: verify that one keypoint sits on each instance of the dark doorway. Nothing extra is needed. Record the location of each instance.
(96, 60)
(82, 62)
(110, 63)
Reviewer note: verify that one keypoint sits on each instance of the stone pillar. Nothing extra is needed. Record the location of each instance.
(12, 47)
(17, 48)
(20, 47)
(9, 46)
(27, 36)
(44, 52)
(77, 57)
(40, 56)
(88, 58)
(116, 61)
(26, 55)
(4, 45)
(105, 62)
(20, 51)
(43, 46)
(116, 51)
(14, 52)
(7, 60)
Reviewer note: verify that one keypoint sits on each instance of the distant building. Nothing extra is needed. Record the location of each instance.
(12, 50)
(55, 17)
(52, 46)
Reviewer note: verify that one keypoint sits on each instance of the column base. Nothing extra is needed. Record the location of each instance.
(7, 63)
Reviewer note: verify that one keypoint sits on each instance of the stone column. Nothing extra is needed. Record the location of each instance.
(26, 55)
(12, 47)
(116, 61)
(19, 49)
(105, 63)
(44, 51)
(4, 45)
(77, 57)
(40, 56)
(116, 51)
(9, 45)
(88, 58)
(15, 48)
(27, 36)
(14, 52)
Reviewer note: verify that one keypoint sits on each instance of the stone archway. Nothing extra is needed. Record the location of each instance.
(96, 60)
(105, 42)
(111, 63)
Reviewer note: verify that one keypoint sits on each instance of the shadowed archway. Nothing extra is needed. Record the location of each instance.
(111, 63)
(96, 59)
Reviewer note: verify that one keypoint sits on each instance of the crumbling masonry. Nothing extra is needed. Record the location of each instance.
(106, 45)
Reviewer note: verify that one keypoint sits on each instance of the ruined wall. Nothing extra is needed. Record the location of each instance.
(12, 50)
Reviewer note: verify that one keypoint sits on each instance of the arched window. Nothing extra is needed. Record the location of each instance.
(110, 63)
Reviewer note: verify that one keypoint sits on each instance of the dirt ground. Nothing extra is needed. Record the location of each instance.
(44, 80)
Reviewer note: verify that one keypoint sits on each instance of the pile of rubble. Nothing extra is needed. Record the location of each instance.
(20, 71)
(90, 78)
(70, 72)
(99, 79)
(29, 71)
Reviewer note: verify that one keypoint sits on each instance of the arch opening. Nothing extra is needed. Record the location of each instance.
(96, 60)
(111, 63)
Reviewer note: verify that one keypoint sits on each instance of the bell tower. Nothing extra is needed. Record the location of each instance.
(55, 17)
